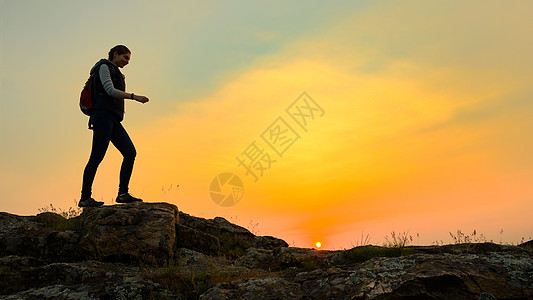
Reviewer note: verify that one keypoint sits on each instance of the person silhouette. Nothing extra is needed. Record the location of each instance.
(109, 92)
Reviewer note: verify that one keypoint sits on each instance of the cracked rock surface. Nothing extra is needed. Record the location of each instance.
(154, 251)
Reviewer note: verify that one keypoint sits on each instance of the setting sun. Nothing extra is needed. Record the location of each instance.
(318, 244)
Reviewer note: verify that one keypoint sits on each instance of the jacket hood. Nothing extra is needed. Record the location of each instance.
(100, 62)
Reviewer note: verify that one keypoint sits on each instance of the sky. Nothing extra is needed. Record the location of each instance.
(337, 122)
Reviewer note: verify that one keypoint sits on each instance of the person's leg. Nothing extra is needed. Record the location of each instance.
(102, 131)
(123, 143)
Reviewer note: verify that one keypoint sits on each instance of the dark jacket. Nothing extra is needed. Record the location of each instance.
(102, 101)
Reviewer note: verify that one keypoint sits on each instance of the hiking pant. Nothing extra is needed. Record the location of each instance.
(107, 129)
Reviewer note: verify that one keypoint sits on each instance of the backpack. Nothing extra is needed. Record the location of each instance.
(86, 97)
(87, 93)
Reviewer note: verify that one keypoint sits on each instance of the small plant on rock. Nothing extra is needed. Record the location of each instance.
(398, 240)
(461, 238)
(70, 213)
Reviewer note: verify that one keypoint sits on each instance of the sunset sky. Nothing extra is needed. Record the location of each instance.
(419, 116)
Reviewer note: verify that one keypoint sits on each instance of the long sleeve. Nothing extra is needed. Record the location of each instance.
(107, 83)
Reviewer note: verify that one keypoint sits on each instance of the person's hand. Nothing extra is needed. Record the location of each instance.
(141, 99)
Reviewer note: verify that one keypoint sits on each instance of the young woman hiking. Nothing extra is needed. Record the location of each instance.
(109, 92)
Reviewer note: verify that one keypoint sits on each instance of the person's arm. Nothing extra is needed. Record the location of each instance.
(107, 83)
(139, 98)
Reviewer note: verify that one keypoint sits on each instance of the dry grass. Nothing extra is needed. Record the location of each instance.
(69, 213)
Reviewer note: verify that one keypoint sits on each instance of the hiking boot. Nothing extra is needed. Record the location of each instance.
(89, 202)
(127, 198)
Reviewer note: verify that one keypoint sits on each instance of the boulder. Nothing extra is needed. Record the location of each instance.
(32, 278)
(46, 235)
(233, 240)
(193, 239)
(303, 257)
(139, 231)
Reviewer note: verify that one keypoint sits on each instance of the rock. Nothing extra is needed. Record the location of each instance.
(196, 240)
(504, 274)
(213, 268)
(47, 235)
(477, 248)
(269, 242)
(308, 259)
(256, 258)
(152, 251)
(425, 276)
(233, 240)
(140, 231)
(255, 288)
(527, 245)
(30, 278)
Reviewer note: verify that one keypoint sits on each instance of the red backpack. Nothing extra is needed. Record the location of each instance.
(87, 94)
(86, 97)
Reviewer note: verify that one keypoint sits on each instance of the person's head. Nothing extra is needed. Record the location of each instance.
(120, 55)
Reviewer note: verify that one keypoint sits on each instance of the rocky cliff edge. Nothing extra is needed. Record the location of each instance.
(154, 251)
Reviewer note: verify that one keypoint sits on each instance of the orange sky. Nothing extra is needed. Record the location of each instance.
(426, 125)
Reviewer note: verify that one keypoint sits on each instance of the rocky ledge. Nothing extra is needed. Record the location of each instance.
(154, 251)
